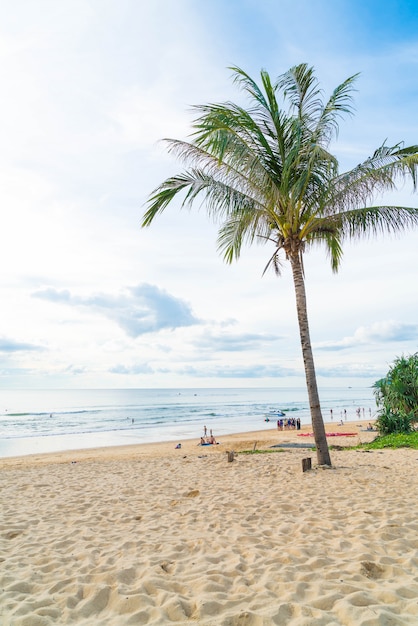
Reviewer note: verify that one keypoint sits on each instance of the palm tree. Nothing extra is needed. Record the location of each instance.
(266, 173)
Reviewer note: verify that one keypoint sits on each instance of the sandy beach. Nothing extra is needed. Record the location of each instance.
(156, 535)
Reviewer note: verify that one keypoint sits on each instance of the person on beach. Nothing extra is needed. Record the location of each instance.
(207, 441)
(212, 438)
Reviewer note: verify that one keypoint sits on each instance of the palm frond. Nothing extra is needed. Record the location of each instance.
(245, 82)
(247, 174)
(300, 87)
(377, 174)
(242, 225)
(340, 102)
(220, 198)
(376, 220)
(234, 136)
(275, 263)
(163, 195)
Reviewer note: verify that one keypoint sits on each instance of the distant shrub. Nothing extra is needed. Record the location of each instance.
(397, 397)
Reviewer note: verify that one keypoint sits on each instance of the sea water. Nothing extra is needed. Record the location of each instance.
(36, 421)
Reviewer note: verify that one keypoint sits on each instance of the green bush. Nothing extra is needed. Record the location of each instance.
(395, 440)
(397, 397)
(388, 422)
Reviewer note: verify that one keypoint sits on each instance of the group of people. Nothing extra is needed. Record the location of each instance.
(288, 423)
(207, 440)
(359, 411)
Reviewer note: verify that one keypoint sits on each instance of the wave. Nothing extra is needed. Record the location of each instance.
(159, 415)
(53, 413)
(294, 409)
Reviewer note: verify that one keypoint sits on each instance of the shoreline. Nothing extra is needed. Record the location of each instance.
(49, 421)
(234, 441)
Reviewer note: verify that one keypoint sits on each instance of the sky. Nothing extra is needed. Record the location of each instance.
(92, 300)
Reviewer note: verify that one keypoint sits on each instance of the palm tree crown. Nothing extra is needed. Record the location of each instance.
(266, 173)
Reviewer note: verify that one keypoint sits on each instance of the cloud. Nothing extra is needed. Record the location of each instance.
(205, 371)
(131, 369)
(142, 309)
(379, 332)
(53, 295)
(238, 371)
(74, 370)
(234, 343)
(350, 370)
(9, 345)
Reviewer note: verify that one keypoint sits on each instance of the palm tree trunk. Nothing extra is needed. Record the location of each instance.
(318, 427)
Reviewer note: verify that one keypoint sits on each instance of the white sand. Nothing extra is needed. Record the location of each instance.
(154, 535)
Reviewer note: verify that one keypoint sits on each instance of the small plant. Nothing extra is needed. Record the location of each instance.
(397, 397)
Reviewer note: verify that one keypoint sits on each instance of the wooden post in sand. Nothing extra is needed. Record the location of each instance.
(306, 464)
(230, 456)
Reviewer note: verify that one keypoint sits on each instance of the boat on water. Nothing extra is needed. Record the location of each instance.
(275, 413)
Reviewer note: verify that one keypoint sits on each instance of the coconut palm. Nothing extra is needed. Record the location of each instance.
(266, 174)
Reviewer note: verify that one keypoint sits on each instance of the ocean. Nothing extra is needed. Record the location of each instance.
(37, 421)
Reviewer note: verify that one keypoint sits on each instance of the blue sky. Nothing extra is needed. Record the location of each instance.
(89, 299)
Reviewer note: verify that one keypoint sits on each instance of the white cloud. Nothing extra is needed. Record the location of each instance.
(379, 332)
(11, 346)
(139, 310)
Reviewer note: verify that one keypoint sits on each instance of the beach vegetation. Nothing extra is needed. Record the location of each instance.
(394, 440)
(397, 397)
(266, 174)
